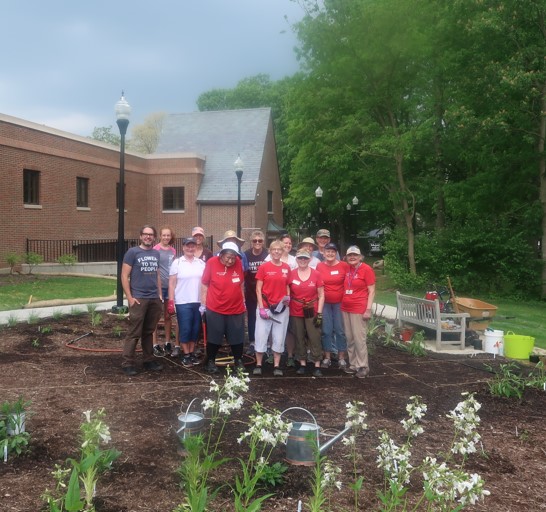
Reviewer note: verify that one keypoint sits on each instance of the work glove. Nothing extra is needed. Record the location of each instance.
(317, 321)
(171, 309)
(286, 300)
(202, 309)
(264, 314)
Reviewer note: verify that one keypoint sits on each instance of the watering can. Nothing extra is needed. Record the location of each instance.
(191, 422)
(303, 441)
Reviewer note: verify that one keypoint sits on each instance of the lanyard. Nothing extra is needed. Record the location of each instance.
(351, 275)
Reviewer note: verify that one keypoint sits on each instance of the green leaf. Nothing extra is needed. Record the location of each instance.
(73, 502)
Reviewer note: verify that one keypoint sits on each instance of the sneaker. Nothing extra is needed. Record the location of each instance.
(211, 367)
(349, 369)
(168, 348)
(153, 366)
(194, 360)
(317, 372)
(342, 364)
(129, 371)
(301, 370)
(175, 351)
(257, 370)
(158, 351)
(362, 373)
(186, 361)
(250, 350)
(326, 363)
(277, 372)
(291, 362)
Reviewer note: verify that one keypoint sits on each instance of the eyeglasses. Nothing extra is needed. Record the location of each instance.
(147, 234)
(258, 241)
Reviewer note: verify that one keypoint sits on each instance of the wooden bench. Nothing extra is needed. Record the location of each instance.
(426, 313)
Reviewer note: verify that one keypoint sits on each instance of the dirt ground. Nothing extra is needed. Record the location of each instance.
(63, 378)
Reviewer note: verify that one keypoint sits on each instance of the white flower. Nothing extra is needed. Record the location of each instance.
(87, 415)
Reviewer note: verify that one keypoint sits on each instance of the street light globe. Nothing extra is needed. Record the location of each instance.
(355, 201)
(122, 109)
(238, 164)
(318, 193)
(348, 207)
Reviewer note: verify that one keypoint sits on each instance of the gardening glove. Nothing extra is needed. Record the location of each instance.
(264, 314)
(170, 307)
(286, 300)
(202, 309)
(317, 321)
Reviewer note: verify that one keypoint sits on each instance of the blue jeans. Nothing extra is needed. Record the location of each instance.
(333, 334)
(189, 320)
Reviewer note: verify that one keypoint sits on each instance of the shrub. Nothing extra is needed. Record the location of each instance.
(32, 259)
(13, 260)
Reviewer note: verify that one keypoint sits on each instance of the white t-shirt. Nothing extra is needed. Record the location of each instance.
(188, 279)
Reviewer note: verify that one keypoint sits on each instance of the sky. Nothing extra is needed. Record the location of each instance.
(64, 63)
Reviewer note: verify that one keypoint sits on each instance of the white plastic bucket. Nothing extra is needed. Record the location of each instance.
(494, 342)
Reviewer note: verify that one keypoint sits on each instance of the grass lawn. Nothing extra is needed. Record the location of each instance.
(526, 318)
(15, 290)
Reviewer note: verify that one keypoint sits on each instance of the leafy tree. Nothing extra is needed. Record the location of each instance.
(145, 136)
(105, 134)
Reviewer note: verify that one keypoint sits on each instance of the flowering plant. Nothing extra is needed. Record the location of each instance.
(442, 485)
(202, 456)
(93, 461)
(265, 432)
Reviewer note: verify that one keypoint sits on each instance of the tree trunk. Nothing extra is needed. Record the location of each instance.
(542, 174)
(407, 212)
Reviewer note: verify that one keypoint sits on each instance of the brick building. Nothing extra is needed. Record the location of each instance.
(59, 186)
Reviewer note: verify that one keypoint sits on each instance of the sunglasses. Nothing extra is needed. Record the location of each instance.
(258, 241)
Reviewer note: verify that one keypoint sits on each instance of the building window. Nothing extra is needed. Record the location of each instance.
(270, 201)
(173, 198)
(31, 187)
(82, 192)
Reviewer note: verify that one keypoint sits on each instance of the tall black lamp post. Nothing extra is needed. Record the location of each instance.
(318, 195)
(123, 111)
(239, 173)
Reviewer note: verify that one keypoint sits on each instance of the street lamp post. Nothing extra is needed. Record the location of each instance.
(123, 111)
(239, 173)
(318, 195)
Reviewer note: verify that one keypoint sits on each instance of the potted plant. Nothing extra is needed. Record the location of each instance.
(14, 415)
(13, 435)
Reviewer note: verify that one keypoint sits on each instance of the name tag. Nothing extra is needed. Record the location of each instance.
(348, 292)
(334, 272)
(284, 270)
(236, 280)
(296, 282)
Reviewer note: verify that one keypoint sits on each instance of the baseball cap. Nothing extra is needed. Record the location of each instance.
(189, 240)
(323, 232)
(197, 230)
(330, 245)
(302, 253)
(353, 250)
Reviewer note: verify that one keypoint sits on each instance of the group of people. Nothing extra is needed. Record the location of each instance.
(312, 304)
